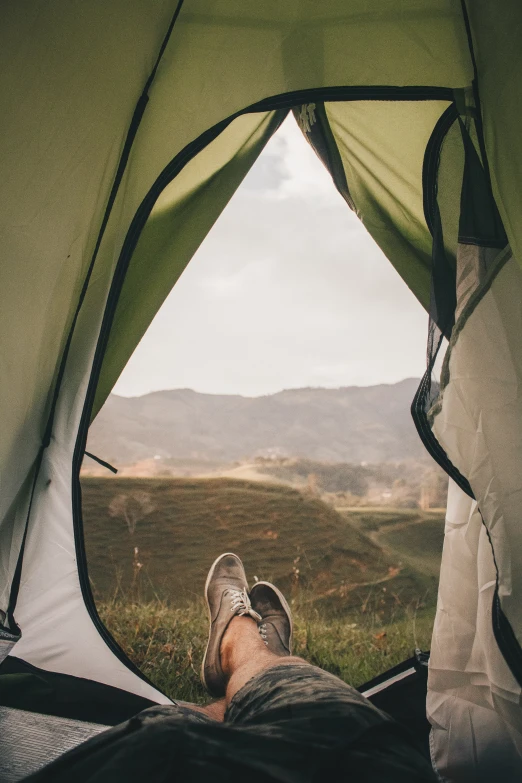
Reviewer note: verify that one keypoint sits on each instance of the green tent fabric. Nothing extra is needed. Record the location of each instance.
(385, 176)
(495, 29)
(179, 221)
(127, 127)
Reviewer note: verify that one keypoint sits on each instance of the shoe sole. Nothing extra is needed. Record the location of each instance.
(209, 579)
(285, 606)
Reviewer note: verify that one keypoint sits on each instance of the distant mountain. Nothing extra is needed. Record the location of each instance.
(351, 424)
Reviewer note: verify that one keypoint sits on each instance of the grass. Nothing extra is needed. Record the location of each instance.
(419, 544)
(168, 643)
(372, 519)
(411, 537)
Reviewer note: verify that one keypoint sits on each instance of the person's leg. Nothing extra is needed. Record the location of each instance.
(244, 654)
(313, 725)
(285, 719)
(215, 710)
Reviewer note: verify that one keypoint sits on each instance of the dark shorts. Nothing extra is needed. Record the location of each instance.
(291, 724)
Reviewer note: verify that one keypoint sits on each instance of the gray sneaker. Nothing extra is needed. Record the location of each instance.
(226, 594)
(276, 627)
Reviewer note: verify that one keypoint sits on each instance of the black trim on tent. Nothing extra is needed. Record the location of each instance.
(442, 298)
(285, 100)
(508, 643)
(430, 164)
(101, 462)
(430, 442)
(318, 134)
(503, 632)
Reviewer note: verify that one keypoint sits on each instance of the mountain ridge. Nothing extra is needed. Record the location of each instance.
(347, 424)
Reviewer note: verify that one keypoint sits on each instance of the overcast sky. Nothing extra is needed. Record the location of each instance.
(288, 290)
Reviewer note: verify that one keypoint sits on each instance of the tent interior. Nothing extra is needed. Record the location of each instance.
(128, 127)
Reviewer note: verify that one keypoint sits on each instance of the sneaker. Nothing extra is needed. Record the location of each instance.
(276, 626)
(226, 594)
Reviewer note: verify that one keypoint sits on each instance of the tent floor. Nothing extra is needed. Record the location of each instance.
(29, 740)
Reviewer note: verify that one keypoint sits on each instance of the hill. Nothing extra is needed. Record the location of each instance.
(158, 537)
(408, 535)
(353, 424)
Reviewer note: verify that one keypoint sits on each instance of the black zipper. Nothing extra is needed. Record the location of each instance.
(430, 442)
(432, 216)
(505, 637)
(431, 161)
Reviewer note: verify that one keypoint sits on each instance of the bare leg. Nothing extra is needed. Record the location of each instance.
(214, 710)
(244, 654)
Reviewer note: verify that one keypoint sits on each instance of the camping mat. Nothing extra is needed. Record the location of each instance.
(29, 740)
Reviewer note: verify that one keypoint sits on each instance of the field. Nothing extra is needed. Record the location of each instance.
(411, 536)
(361, 582)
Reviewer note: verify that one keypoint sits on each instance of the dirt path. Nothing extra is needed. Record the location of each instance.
(376, 535)
(379, 538)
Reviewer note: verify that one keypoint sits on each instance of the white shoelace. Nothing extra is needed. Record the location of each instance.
(240, 605)
(263, 633)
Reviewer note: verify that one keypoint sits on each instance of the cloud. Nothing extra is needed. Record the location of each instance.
(306, 177)
(287, 290)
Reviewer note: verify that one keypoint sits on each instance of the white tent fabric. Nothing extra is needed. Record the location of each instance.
(474, 701)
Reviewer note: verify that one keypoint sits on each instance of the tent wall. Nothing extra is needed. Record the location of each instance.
(474, 699)
(70, 78)
(480, 421)
(51, 607)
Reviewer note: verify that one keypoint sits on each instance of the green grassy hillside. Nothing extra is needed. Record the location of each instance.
(412, 537)
(158, 537)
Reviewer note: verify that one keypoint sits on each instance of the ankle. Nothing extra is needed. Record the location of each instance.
(241, 642)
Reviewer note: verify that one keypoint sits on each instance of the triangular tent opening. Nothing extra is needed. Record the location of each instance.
(144, 536)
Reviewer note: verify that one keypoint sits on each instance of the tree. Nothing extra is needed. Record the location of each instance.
(132, 508)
